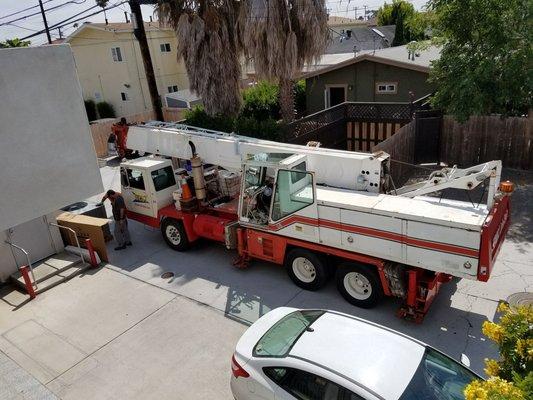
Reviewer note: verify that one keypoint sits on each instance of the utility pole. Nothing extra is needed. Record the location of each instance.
(45, 23)
(140, 34)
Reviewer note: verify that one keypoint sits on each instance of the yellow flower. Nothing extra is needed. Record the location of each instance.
(503, 307)
(492, 367)
(492, 331)
(493, 388)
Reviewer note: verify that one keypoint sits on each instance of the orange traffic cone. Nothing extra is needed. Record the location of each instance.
(185, 190)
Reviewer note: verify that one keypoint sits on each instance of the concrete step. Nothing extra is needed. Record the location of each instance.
(52, 271)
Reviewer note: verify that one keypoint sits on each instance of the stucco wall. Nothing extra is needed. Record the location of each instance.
(362, 77)
(47, 158)
(101, 76)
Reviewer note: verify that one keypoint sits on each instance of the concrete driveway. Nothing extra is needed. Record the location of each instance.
(123, 332)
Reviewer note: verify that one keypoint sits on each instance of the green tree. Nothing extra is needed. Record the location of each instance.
(486, 58)
(398, 13)
(16, 42)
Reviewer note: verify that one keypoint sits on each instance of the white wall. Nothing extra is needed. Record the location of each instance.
(47, 159)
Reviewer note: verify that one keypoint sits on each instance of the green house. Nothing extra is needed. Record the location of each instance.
(392, 74)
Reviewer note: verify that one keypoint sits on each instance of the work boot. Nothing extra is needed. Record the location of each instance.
(120, 247)
(129, 244)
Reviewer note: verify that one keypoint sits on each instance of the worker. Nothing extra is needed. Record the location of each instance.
(122, 234)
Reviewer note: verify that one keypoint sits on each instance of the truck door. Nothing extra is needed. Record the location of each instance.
(136, 191)
(294, 208)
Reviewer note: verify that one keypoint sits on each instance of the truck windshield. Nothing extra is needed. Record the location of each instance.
(279, 339)
(438, 377)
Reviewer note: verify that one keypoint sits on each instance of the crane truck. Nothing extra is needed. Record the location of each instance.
(319, 212)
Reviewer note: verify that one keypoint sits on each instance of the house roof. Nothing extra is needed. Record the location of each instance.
(362, 38)
(397, 56)
(116, 27)
(335, 20)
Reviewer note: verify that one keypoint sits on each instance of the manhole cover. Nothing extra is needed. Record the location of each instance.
(167, 275)
(521, 299)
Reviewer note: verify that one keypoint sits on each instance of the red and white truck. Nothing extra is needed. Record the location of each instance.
(318, 212)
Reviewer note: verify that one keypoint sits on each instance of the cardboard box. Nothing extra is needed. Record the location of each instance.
(86, 227)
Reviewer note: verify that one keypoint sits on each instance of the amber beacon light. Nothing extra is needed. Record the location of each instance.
(507, 187)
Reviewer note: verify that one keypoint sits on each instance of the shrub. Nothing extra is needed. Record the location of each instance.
(261, 101)
(90, 108)
(105, 110)
(300, 100)
(198, 117)
(511, 377)
(266, 129)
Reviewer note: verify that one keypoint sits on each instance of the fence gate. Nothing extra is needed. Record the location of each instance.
(428, 127)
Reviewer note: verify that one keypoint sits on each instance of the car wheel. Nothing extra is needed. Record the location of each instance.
(174, 234)
(306, 269)
(359, 284)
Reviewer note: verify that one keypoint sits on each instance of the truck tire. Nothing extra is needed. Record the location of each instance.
(174, 234)
(306, 269)
(359, 284)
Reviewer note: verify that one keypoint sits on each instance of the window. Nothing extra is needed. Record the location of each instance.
(124, 177)
(294, 191)
(438, 377)
(163, 178)
(172, 89)
(386, 88)
(116, 54)
(279, 339)
(306, 386)
(124, 96)
(135, 179)
(165, 47)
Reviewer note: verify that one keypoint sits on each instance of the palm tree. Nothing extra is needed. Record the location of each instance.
(16, 42)
(277, 36)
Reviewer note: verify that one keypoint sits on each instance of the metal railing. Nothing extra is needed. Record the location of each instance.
(34, 283)
(75, 236)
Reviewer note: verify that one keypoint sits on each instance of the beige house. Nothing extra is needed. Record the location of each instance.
(110, 66)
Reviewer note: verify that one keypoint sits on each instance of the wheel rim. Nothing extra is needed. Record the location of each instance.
(173, 235)
(357, 285)
(304, 269)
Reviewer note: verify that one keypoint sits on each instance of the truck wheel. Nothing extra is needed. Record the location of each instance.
(306, 269)
(359, 284)
(174, 234)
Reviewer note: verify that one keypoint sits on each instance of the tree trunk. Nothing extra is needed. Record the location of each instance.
(286, 100)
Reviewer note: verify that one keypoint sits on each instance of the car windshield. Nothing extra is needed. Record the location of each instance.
(279, 339)
(438, 377)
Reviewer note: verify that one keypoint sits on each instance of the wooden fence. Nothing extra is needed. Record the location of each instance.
(351, 125)
(101, 130)
(401, 148)
(486, 138)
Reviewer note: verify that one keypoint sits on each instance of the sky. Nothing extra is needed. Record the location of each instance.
(66, 8)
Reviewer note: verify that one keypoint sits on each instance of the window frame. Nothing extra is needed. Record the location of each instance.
(165, 47)
(124, 96)
(129, 175)
(291, 174)
(170, 170)
(342, 391)
(386, 90)
(172, 88)
(116, 54)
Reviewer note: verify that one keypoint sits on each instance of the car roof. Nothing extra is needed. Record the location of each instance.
(379, 359)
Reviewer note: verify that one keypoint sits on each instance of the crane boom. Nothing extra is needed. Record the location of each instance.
(336, 168)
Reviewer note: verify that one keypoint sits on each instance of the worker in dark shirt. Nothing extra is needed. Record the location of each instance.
(122, 234)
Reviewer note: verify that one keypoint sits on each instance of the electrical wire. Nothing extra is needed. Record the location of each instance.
(61, 24)
(26, 9)
(48, 9)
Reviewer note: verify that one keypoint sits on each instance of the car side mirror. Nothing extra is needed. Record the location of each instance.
(465, 360)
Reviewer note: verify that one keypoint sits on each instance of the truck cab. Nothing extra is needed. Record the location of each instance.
(147, 185)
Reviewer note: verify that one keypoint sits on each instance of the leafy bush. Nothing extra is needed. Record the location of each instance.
(267, 129)
(300, 100)
(261, 101)
(105, 110)
(90, 108)
(511, 377)
(198, 117)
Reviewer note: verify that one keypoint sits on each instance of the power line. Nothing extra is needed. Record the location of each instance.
(26, 9)
(39, 12)
(61, 24)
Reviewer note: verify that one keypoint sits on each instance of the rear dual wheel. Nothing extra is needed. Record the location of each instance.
(306, 269)
(359, 284)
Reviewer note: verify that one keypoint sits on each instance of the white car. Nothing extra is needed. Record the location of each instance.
(326, 355)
